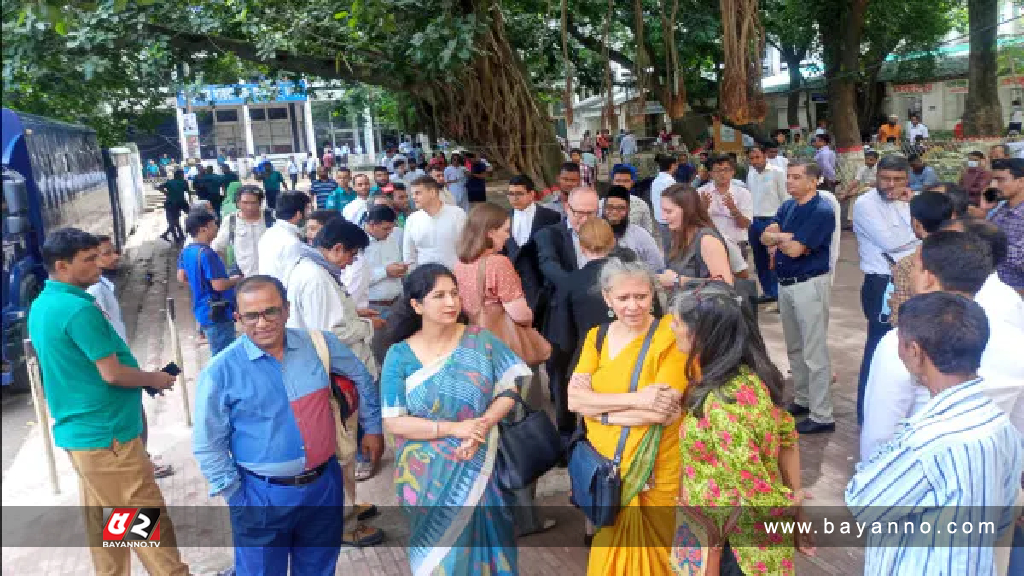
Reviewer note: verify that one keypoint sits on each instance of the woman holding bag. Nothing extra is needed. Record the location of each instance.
(486, 278)
(643, 410)
(439, 397)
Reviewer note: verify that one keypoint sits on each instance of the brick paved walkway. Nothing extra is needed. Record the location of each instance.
(827, 461)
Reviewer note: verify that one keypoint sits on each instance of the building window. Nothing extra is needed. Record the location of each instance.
(257, 114)
(277, 113)
(227, 115)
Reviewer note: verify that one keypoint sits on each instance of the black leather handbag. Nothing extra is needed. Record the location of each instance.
(596, 480)
(527, 448)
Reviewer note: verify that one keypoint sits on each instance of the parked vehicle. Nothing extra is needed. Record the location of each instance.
(54, 175)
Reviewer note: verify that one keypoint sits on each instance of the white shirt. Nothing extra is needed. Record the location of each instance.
(356, 280)
(377, 256)
(837, 232)
(919, 130)
(355, 211)
(892, 395)
(522, 224)
(768, 190)
(317, 301)
(882, 227)
(246, 245)
(106, 299)
(1001, 303)
(662, 181)
(628, 144)
(311, 163)
(456, 178)
(721, 215)
(867, 175)
(272, 245)
(432, 238)
(780, 162)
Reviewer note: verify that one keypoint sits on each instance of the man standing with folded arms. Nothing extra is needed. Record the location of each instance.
(767, 185)
(802, 236)
(94, 391)
(265, 436)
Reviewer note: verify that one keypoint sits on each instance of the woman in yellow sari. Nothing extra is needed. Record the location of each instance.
(639, 541)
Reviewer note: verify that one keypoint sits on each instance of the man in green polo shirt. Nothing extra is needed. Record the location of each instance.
(273, 181)
(94, 390)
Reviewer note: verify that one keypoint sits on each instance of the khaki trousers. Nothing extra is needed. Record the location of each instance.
(804, 310)
(122, 475)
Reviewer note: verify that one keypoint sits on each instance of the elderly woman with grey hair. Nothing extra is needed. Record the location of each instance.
(644, 409)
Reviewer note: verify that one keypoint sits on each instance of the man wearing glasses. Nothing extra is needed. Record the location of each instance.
(730, 205)
(559, 254)
(265, 436)
(616, 211)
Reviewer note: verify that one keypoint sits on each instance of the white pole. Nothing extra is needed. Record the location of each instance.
(42, 412)
(176, 345)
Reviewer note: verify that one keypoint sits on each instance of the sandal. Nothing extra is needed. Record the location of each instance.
(162, 470)
(364, 471)
(362, 536)
(366, 511)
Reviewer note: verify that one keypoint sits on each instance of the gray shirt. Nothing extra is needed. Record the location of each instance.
(642, 243)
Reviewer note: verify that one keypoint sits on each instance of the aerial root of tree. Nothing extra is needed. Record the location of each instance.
(741, 99)
(491, 108)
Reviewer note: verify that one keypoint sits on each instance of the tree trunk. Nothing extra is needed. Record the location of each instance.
(495, 110)
(795, 80)
(983, 115)
(842, 68)
(871, 101)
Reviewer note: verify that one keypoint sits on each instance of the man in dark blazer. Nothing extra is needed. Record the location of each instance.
(559, 255)
(526, 218)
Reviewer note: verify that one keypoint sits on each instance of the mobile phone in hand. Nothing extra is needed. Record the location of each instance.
(171, 369)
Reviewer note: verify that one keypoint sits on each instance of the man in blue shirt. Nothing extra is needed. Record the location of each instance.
(801, 235)
(922, 176)
(212, 294)
(265, 436)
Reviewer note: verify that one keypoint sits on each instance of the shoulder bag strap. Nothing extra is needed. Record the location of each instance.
(602, 332)
(481, 279)
(320, 344)
(231, 228)
(637, 369)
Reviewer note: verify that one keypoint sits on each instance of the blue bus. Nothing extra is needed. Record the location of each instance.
(54, 175)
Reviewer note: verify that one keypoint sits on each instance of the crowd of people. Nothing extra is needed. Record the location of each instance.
(362, 304)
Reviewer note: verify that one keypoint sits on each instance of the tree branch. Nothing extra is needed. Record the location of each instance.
(314, 65)
(597, 46)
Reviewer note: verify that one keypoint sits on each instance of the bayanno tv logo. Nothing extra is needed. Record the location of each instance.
(131, 527)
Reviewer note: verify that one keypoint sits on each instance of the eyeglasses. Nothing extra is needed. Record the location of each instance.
(615, 207)
(512, 194)
(271, 315)
(582, 213)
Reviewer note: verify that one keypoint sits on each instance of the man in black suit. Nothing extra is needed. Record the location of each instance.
(559, 255)
(527, 217)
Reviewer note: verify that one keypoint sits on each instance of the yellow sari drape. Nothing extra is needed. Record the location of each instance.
(640, 540)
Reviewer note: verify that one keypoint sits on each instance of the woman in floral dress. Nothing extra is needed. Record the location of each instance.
(741, 462)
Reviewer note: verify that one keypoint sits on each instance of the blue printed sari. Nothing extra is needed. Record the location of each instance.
(461, 521)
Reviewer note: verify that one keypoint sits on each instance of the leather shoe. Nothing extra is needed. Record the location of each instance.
(797, 410)
(809, 426)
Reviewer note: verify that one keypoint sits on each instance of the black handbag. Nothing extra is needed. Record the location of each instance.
(596, 481)
(527, 448)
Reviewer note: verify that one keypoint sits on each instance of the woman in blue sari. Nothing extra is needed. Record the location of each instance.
(438, 394)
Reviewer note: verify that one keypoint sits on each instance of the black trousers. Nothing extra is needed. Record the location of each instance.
(559, 367)
(871, 294)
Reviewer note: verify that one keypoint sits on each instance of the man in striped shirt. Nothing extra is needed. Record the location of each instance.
(322, 188)
(937, 497)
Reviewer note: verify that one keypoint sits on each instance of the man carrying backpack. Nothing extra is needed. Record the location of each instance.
(240, 233)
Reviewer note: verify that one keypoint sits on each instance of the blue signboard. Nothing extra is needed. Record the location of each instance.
(237, 94)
